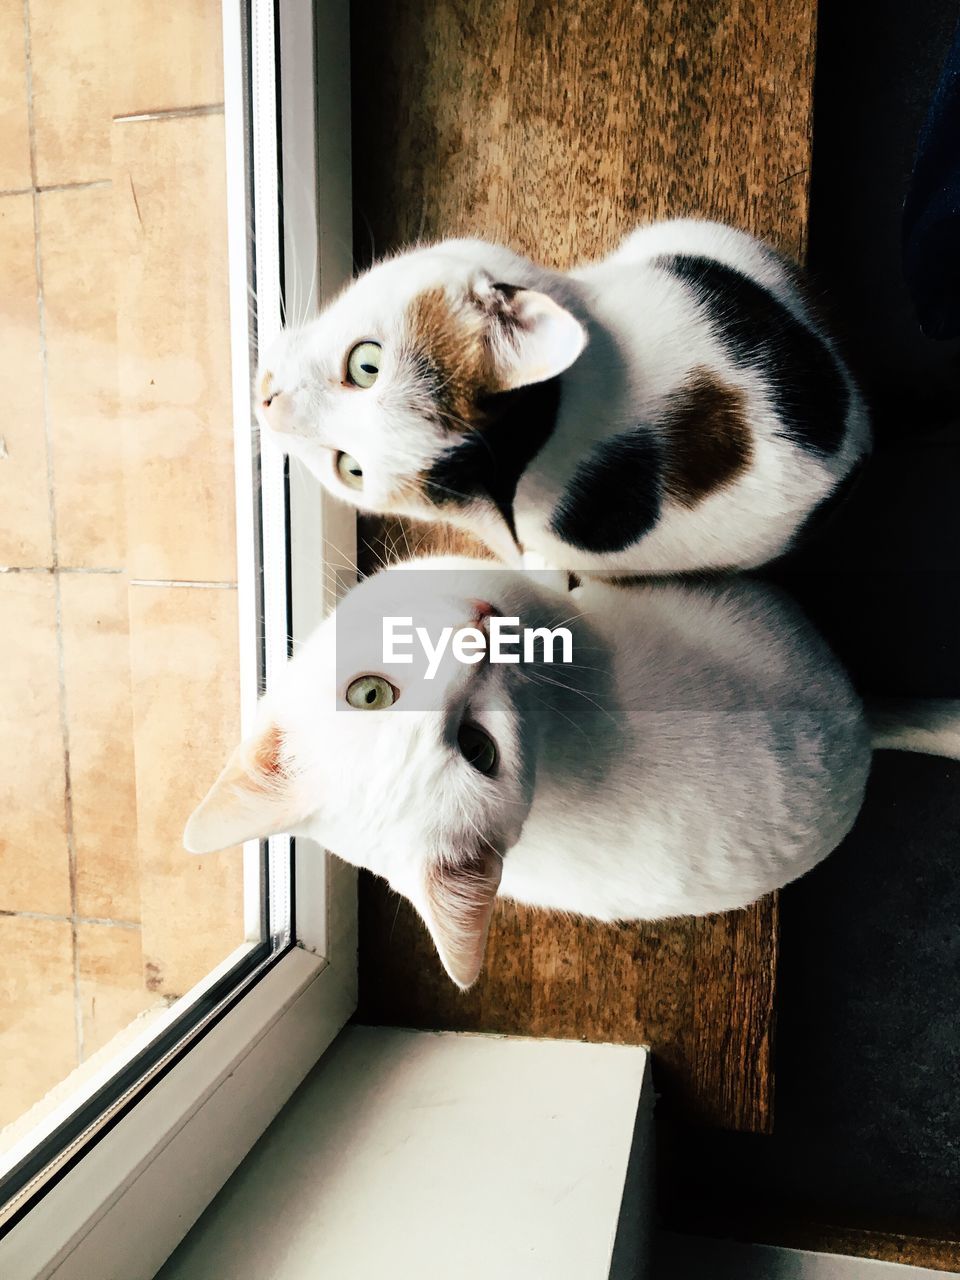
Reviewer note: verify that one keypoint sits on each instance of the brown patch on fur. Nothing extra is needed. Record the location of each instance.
(451, 345)
(710, 442)
(386, 540)
(268, 757)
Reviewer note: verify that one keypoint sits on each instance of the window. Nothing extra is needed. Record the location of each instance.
(157, 568)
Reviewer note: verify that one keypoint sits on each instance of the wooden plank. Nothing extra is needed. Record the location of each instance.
(556, 129)
(938, 1251)
(700, 993)
(687, 1256)
(735, 957)
(883, 1246)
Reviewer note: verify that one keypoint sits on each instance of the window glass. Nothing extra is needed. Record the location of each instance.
(127, 610)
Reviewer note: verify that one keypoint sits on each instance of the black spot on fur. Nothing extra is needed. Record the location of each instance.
(614, 496)
(513, 427)
(806, 386)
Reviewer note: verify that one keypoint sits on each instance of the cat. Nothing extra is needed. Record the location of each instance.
(674, 407)
(701, 748)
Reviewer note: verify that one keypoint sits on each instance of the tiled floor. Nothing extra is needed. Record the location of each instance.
(118, 689)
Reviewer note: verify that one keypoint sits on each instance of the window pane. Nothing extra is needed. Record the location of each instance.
(120, 691)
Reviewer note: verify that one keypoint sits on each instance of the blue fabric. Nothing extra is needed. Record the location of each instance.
(931, 216)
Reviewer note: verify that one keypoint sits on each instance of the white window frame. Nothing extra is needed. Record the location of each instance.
(131, 1196)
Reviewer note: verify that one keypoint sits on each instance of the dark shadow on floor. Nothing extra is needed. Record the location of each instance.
(867, 1062)
(877, 64)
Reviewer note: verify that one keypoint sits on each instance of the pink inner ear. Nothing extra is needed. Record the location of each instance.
(534, 339)
(255, 795)
(457, 910)
(268, 754)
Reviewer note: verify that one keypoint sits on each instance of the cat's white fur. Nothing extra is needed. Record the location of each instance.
(647, 336)
(703, 749)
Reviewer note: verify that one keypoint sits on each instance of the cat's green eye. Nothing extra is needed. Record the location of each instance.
(363, 364)
(349, 471)
(477, 748)
(371, 693)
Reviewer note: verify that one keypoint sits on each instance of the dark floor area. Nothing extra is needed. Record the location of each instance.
(867, 1058)
(877, 65)
(868, 1036)
(868, 1061)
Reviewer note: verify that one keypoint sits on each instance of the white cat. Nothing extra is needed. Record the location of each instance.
(673, 407)
(702, 748)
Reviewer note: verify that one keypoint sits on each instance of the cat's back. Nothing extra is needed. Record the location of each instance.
(703, 644)
(709, 416)
(742, 760)
(686, 291)
(700, 237)
(732, 694)
(652, 248)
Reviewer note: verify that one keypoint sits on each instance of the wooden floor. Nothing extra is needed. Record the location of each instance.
(556, 128)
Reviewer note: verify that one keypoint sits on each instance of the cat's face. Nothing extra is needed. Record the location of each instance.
(404, 364)
(432, 797)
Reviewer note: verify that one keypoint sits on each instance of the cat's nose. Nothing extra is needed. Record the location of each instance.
(268, 390)
(482, 610)
(277, 406)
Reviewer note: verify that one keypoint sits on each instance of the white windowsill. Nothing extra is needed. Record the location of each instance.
(431, 1154)
(119, 1213)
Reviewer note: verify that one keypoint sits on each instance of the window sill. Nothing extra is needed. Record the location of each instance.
(124, 1207)
(427, 1154)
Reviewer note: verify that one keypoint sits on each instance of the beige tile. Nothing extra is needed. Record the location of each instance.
(96, 657)
(112, 988)
(37, 1021)
(173, 331)
(173, 56)
(14, 129)
(79, 268)
(103, 58)
(25, 524)
(34, 865)
(183, 646)
(72, 58)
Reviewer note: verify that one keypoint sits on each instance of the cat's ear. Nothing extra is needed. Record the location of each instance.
(254, 796)
(531, 337)
(456, 905)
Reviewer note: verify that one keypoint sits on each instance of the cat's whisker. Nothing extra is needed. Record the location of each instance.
(453, 493)
(574, 617)
(475, 829)
(357, 264)
(338, 554)
(312, 299)
(396, 917)
(580, 693)
(577, 666)
(550, 708)
(470, 822)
